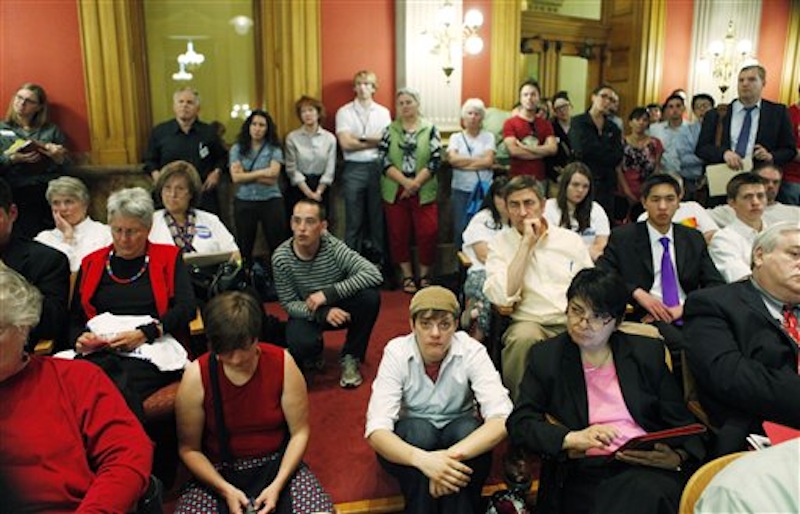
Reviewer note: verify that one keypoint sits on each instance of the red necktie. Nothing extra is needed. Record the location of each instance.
(790, 324)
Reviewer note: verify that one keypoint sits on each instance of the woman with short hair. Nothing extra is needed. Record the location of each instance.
(310, 155)
(273, 436)
(76, 235)
(471, 155)
(133, 277)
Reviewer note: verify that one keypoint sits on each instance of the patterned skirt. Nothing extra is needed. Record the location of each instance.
(305, 492)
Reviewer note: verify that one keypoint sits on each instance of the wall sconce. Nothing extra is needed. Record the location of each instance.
(241, 111)
(446, 37)
(191, 59)
(727, 58)
(241, 24)
(182, 74)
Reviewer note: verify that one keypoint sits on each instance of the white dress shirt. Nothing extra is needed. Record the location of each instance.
(658, 253)
(737, 119)
(211, 236)
(732, 248)
(358, 121)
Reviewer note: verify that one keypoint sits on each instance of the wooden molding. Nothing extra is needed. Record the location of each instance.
(562, 28)
(290, 37)
(112, 40)
(651, 51)
(505, 53)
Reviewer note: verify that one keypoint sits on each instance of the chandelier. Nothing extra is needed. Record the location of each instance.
(727, 57)
(448, 37)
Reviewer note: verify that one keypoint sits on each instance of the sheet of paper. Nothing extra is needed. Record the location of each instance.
(718, 175)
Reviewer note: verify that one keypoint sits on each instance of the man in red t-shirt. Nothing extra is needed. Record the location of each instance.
(790, 190)
(529, 139)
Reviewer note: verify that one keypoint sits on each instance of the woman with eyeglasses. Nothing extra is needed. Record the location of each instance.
(147, 288)
(597, 141)
(481, 229)
(601, 387)
(32, 153)
(411, 153)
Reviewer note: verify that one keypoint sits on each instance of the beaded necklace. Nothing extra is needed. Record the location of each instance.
(134, 278)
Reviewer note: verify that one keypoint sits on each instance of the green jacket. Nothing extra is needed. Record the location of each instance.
(394, 157)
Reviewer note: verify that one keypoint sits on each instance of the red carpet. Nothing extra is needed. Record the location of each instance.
(338, 453)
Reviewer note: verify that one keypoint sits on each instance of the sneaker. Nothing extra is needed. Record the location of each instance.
(351, 377)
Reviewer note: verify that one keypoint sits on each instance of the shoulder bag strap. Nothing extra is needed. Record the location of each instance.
(222, 430)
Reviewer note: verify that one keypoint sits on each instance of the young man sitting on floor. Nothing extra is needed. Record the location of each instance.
(422, 419)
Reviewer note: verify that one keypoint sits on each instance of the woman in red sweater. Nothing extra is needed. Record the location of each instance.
(264, 408)
(68, 442)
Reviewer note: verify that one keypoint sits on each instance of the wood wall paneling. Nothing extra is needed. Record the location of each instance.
(505, 42)
(790, 76)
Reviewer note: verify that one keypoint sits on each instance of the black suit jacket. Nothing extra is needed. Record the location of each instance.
(554, 384)
(774, 133)
(628, 253)
(744, 364)
(48, 270)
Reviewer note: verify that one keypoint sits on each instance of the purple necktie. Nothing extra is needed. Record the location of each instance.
(669, 283)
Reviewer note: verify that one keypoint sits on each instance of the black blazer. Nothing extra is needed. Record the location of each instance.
(48, 270)
(554, 384)
(743, 362)
(774, 133)
(628, 253)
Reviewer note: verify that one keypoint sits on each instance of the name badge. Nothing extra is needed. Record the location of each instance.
(202, 231)
(203, 150)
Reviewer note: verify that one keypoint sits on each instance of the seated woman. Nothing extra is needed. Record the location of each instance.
(180, 223)
(272, 436)
(575, 209)
(76, 234)
(604, 387)
(69, 442)
(481, 229)
(133, 277)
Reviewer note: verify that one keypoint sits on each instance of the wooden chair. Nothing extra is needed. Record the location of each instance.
(700, 480)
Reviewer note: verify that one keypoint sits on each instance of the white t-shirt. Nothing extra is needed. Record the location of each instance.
(481, 228)
(467, 146)
(598, 221)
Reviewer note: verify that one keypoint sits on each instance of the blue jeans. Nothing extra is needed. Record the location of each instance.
(459, 201)
(414, 484)
(789, 193)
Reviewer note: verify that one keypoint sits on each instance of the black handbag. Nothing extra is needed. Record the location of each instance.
(209, 281)
(252, 480)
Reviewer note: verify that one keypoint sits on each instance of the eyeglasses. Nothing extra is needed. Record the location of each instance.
(26, 101)
(576, 314)
(444, 325)
(126, 232)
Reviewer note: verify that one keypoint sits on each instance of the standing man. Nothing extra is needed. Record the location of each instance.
(790, 191)
(742, 343)
(667, 132)
(751, 127)
(324, 285)
(692, 168)
(661, 262)
(186, 138)
(731, 248)
(359, 127)
(597, 142)
(528, 270)
(423, 418)
(529, 138)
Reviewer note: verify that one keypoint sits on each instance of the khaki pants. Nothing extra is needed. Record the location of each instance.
(517, 342)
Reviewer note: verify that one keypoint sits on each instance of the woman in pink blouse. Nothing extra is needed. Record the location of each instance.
(603, 387)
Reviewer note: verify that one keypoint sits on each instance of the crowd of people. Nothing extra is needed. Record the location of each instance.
(625, 281)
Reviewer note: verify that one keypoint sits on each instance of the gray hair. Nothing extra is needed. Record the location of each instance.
(133, 202)
(767, 240)
(22, 302)
(473, 103)
(410, 91)
(67, 186)
(189, 89)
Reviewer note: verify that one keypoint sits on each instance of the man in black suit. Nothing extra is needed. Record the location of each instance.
(42, 266)
(742, 342)
(636, 252)
(769, 137)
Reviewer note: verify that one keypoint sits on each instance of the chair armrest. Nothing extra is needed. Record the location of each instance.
(196, 326)
(44, 347)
